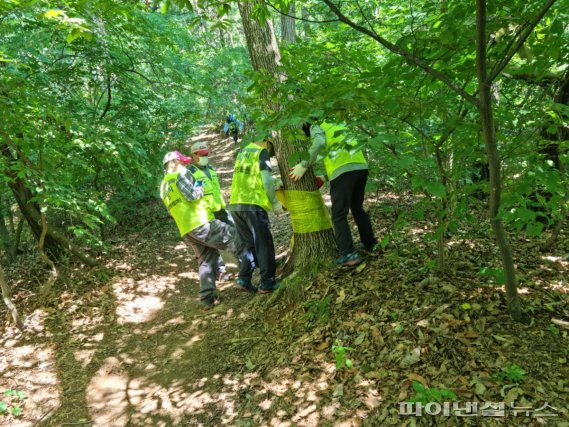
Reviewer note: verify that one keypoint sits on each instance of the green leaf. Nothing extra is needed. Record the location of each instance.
(360, 339)
(16, 410)
(436, 189)
(3, 406)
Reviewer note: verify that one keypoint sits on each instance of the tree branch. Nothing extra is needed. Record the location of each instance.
(516, 46)
(299, 19)
(402, 52)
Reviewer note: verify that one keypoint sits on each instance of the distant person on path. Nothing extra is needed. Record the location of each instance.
(232, 127)
(348, 173)
(202, 170)
(252, 197)
(183, 196)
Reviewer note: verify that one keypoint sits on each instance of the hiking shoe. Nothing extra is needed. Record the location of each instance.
(246, 286)
(267, 289)
(208, 305)
(350, 260)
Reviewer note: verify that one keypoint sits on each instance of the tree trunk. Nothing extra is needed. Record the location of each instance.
(7, 297)
(288, 32)
(265, 58)
(552, 151)
(5, 237)
(489, 135)
(305, 24)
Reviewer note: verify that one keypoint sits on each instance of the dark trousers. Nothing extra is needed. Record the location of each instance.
(347, 193)
(254, 230)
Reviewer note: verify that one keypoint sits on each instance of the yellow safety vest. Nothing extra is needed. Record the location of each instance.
(188, 215)
(212, 189)
(338, 157)
(247, 186)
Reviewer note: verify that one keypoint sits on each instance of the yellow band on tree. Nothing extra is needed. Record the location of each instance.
(307, 210)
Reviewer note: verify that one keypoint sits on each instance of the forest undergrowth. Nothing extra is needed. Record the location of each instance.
(126, 343)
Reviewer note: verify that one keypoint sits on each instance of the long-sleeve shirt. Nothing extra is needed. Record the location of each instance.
(318, 139)
(186, 185)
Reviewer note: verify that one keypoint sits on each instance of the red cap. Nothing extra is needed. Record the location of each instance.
(185, 160)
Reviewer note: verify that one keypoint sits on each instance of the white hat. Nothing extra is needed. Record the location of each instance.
(196, 146)
(172, 155)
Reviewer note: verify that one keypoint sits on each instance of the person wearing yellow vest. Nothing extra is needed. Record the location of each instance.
(183, 196)
(252, 197)
(348, 173)
(202, 170)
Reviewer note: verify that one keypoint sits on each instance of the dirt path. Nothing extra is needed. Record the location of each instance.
(126, 344)
(135, 349)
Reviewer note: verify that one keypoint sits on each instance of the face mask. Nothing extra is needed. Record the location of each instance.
(203, 161)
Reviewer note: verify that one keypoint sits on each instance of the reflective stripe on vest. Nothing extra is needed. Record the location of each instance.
(247, 186)
(212, 189)
(188, 215)
(338, 157)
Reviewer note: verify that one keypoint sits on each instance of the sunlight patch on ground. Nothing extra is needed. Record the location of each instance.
(106, 395)
(139, 301)
(31, 368)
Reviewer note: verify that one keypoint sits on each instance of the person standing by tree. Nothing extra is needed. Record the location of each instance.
(348, 173)
(203, 171)
(183, 196)
(252, 197)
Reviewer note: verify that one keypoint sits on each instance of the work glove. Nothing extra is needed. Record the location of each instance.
(297, 172)
(278, 208)
(278, 183)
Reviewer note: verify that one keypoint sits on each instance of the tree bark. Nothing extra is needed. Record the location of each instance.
(265, 58)
(305, 23)
(288, 32)
(489, 135)
(55, 243)
(7, 297)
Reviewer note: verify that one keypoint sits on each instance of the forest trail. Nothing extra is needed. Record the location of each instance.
(136, 348)
(126, 343)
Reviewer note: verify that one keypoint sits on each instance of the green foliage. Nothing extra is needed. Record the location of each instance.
(318, 310)
(553, 329)
(341, 358)
(425, 395)
(94, 93)
(12, 404)
(511, 373)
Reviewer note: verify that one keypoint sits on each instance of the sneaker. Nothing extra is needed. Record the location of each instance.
(350, 260)
(267, 289)
(246, 286)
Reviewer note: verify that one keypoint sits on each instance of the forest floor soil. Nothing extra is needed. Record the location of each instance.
(127, 343)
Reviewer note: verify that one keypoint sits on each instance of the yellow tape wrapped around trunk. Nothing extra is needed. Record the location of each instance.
(307, 210)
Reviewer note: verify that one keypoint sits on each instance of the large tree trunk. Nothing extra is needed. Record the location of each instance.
(489, 134)
(265, 58)
(288, 32)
